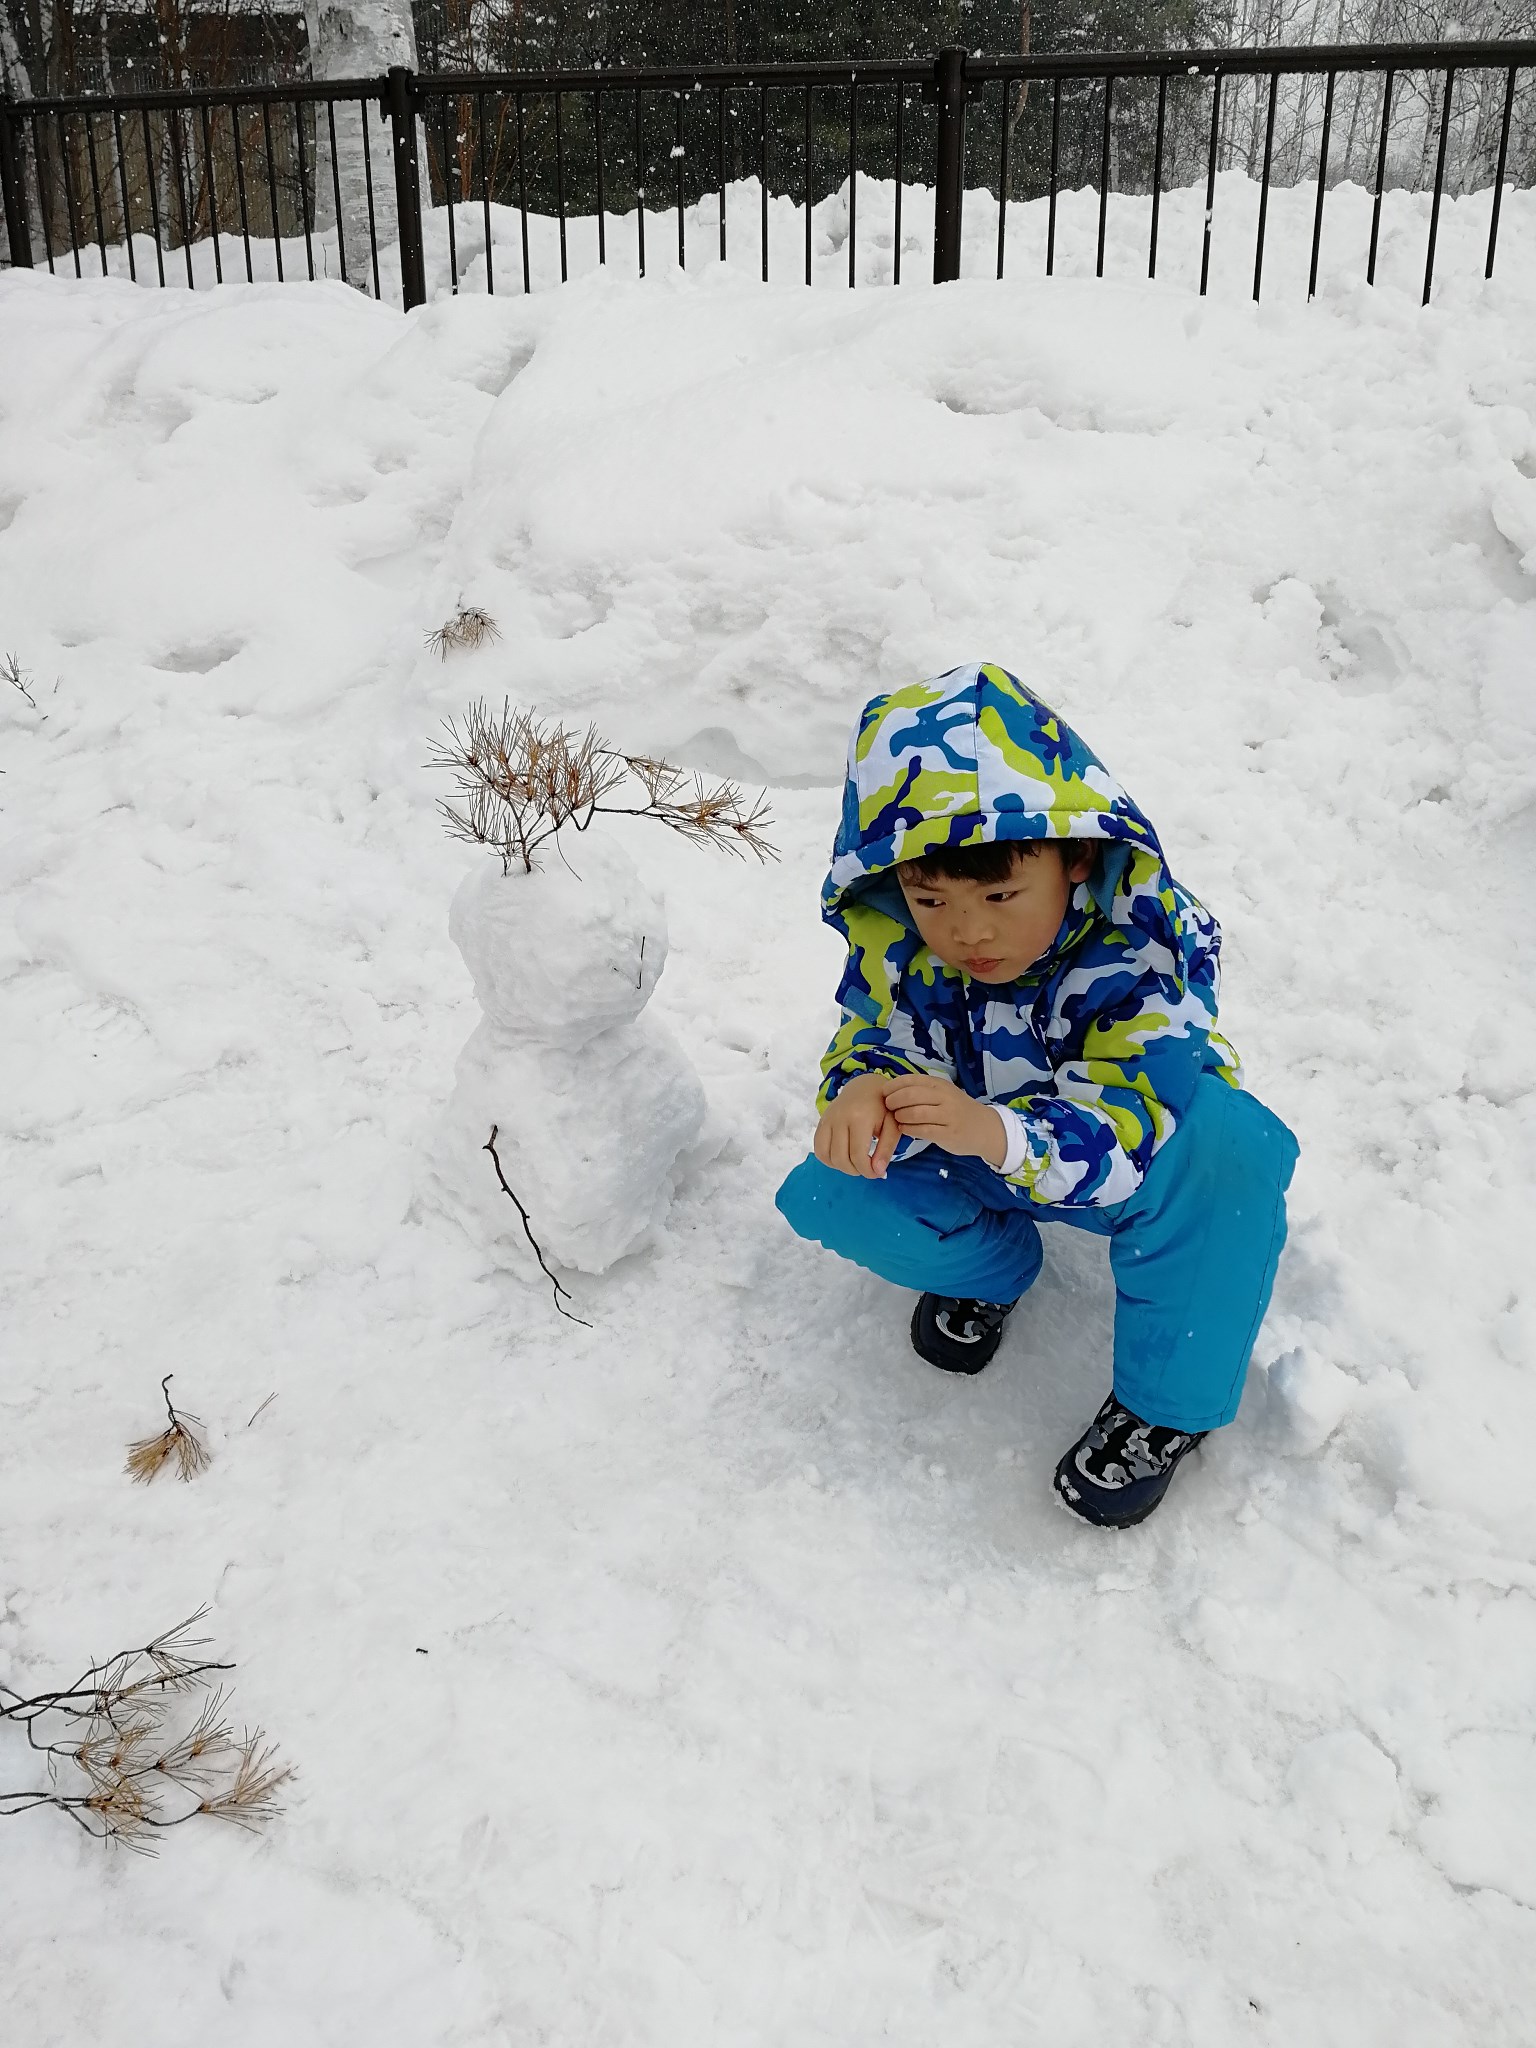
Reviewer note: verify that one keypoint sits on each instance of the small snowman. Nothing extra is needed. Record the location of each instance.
(592, 1102)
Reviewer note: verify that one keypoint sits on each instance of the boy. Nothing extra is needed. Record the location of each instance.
(1028, 1035)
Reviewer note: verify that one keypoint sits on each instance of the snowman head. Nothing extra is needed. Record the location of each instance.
(566, 952)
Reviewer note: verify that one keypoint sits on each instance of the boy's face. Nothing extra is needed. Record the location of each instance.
(996, 931)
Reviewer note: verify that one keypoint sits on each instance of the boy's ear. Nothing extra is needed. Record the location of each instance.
(1080, 867)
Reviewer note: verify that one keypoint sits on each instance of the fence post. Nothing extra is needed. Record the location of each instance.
(400, 105)
(13, 179)
(949, 169)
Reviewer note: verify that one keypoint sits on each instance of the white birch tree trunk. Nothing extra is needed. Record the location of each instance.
(358, 39)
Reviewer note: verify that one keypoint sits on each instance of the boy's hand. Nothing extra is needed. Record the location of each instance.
(928, 1106)
(856, 1133)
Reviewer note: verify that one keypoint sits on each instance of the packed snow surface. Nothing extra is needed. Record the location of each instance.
(720, 1673)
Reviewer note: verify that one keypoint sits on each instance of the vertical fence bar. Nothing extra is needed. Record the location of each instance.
(1157, 170)
(101, 226)
(853, 178)
(277, 237)
(183, 180)
(1002, 181)
(43, 197)
(13, 183)
(122, 186)
(901, 102)
(298, 130)
(720, 151)
(762, 168)
(341, 232)
(1434, 209)
(485, 195)
(373, 224)
(1498, 176)
(1050, 228)
(1322, 186)
(597, 132)
(154, 199)
(1381, 173)
(949, 165)
(677, 174)
(69, 191)
(400, 106)
(560, 188)
(449, 167)
(1210, 181)
(522, 201)
(640, 179)
(1109, 94)
(807, 184)
(213, 196)
(1269, 155)
(245, 216)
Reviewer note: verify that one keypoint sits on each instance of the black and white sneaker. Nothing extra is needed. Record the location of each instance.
(958, 1335)
(1119, 1468)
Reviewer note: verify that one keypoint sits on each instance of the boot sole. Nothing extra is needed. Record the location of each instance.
(1108, 1521)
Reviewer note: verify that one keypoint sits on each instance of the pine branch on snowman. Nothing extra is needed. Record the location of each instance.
(591, 1101)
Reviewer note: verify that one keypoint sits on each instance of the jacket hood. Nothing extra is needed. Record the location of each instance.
(969, 758)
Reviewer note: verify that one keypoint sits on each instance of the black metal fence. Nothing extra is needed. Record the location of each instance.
(326, 178)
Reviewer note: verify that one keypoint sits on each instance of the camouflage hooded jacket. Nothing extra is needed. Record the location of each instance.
(1098, 1046)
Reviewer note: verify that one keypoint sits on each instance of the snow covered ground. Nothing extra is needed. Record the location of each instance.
(723, 1674)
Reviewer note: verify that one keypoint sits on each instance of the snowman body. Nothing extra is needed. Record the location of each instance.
(591, 1100)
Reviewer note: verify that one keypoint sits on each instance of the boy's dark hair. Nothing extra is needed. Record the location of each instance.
(990, 863)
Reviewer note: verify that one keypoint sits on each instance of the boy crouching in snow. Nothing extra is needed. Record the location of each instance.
(1029, 1035)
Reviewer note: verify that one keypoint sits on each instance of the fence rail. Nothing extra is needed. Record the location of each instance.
(342, 166)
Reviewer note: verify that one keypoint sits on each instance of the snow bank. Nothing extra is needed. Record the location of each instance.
(720, 1674)
(483, 250)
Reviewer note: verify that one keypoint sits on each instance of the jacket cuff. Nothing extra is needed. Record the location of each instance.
(1017, 1137)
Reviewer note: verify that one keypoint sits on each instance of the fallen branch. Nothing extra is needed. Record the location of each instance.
(490, 1146)
(139, 1766)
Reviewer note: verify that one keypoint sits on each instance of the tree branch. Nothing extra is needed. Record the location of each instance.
(490, 1146)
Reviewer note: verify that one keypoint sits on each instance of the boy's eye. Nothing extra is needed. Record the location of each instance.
(1001, 895)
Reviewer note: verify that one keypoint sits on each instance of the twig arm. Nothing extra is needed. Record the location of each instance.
(490, 1146)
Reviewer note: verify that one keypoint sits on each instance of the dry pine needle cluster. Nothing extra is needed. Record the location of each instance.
(141, 1743)
(180, 1445)
(12, 672)
(520, 779)
(469, 627)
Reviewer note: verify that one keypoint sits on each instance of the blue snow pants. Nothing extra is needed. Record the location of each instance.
(1193, 1251)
